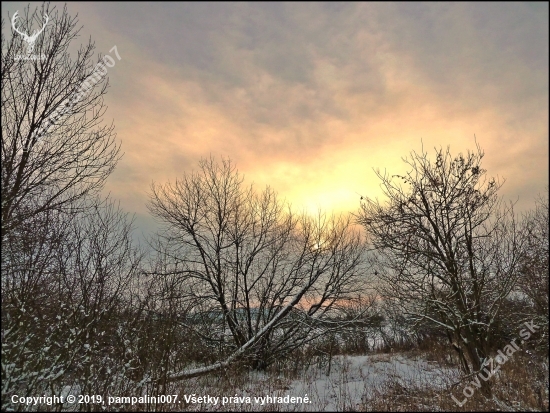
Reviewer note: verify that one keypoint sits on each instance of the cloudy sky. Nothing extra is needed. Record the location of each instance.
(310, 97)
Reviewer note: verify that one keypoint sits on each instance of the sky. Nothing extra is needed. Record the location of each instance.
(310, 98)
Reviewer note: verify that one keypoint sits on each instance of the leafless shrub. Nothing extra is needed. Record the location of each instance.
(448, 250)
(533, 281)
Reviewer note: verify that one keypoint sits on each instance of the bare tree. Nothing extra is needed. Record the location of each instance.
(64, 281)
(447, 248)
(249, 264)
(533, 281)
(68, 263)
(55, 151)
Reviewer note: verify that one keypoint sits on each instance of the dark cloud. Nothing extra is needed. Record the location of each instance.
(309, 96)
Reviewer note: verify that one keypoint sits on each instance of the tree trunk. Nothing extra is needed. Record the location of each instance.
(471, 349)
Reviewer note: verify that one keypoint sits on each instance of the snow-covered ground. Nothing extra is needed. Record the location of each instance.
(354, 378)
(351, 381)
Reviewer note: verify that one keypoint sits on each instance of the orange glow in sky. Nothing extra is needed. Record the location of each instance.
(310, 97)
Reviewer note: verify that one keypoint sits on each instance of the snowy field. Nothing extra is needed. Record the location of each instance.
(382, 381)
(351, 381)
(355, 379)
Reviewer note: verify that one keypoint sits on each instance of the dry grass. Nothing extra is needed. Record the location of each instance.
(373, 382)
(521, 385)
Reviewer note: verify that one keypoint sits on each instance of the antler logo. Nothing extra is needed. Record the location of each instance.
(29, 39)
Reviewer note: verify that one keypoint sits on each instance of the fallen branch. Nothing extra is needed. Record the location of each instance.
(187, 374)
